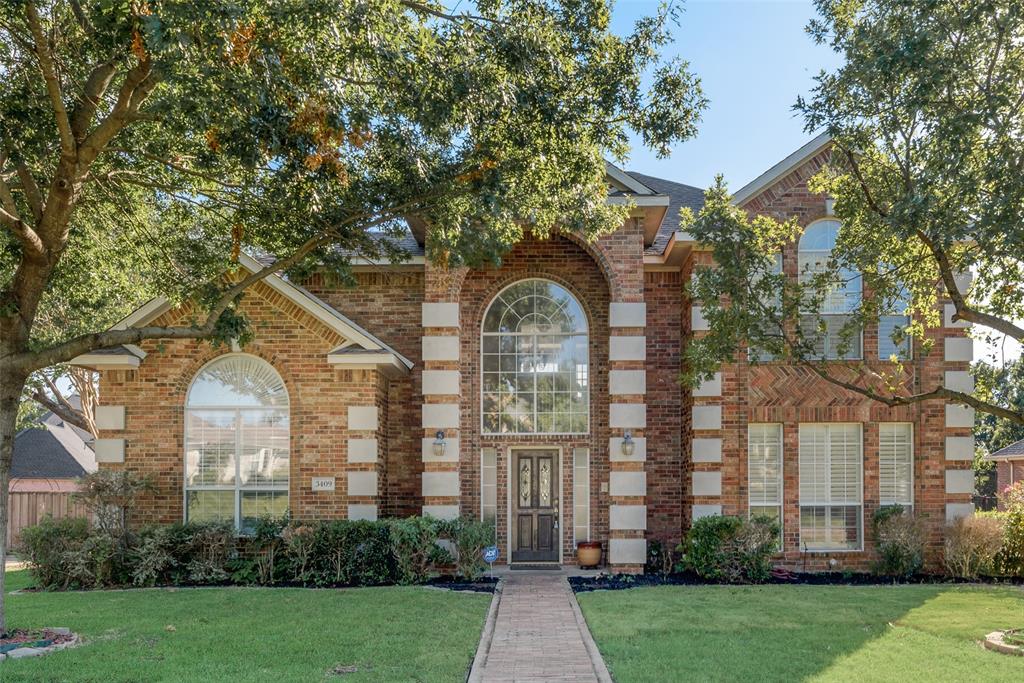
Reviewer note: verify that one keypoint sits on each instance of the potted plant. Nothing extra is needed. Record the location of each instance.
(588, 554)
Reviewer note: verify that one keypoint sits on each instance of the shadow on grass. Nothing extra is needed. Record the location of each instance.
(790, 633)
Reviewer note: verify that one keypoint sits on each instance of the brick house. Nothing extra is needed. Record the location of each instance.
(543, 395)
(1009, 465)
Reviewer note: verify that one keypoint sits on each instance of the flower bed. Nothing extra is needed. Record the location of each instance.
(36, 642)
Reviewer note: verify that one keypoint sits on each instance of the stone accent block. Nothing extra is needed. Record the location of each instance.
(628, 483)
(110, 417)
(627, 551)
(627, 348)
(955, 511)
(627, 382)
(959, 448)
(440, 348)
(362, 450)
(360, 511)
(362, 418)
(109, 450)
(959, 416)
(440, 415)
(959, 380)
(701, 511)
(707, 450)
(959, 481)
(959, 349)
(707, 483)
(639, 450)
(948, 311)
(711, 387)
(621, 314)
(626, 517)
(440, 315)
(362, 483)
(707, 417)
(627, 415)
(441, 484)
(441, 511)
(441, 382)
(451, 450)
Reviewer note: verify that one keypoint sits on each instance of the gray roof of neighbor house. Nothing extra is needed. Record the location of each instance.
(53, 450)
(679, 196)
(1012, 452)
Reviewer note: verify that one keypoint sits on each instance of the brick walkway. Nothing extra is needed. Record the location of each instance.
(537, 636)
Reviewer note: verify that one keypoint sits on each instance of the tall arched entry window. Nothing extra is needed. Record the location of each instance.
(536, 376)
(236, 442)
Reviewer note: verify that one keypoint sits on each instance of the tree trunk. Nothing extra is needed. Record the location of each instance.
(11, 385)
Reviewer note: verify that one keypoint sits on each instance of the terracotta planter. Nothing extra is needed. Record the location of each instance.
(588, 553)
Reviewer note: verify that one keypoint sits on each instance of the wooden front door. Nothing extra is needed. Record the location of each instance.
(535, 508)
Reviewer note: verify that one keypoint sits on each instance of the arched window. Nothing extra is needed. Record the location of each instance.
(536, 378)
(841, 299)
(236, 442)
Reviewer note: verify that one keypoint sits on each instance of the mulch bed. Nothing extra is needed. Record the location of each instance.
(485, 584)
(583, 584)
(39, 638)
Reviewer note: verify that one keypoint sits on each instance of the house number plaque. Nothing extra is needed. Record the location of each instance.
(323, 483)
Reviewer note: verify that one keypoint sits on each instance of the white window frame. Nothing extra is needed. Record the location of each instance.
(827, 311)
(580, 494)
(236, 411)
(885, 426)
(751, 427)
(829, 505)
(586, 333)
(489, 484)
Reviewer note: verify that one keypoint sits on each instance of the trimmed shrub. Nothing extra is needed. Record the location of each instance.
(1011, 556)
(731, 549)
(48, 547)
(900, 540)
(470, 537)
(972, 544)
(352, 553)
(414, 544)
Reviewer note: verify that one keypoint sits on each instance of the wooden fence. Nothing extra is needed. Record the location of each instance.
(30, 507)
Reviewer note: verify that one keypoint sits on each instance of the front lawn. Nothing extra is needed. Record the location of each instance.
(814, 633)
(252, 634)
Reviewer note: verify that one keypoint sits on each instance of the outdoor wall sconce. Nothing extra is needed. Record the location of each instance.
(628, 444)
(439, 443)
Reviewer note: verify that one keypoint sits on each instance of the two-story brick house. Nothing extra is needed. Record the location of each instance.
(543, 394)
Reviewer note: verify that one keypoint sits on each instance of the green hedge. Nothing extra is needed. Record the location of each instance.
(731, 549)
(67, 554)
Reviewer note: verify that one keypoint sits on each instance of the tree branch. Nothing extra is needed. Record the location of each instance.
(138, 83)
(53, 89)
(28, 185)
(95, 87)
(69, 415)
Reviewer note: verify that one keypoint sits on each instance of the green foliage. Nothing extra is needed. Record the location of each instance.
(47, 545)
(731, 549)
(353, 553)
(900, 541)
(469, 536)
(414, 544)
(972, 546)
(1011, 556)
(110, 495)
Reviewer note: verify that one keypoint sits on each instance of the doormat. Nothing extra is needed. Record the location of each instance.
(536, 567)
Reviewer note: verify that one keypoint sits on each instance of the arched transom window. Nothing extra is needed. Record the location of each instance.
(236, 442)
(536, 377)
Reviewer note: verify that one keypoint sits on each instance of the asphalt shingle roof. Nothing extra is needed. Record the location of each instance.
(679, 195)
(1014, 449)
(54, 450)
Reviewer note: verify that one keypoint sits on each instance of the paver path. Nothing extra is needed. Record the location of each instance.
(537, 636)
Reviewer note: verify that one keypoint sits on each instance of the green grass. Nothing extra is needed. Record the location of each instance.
(251, 634)
(807, 633)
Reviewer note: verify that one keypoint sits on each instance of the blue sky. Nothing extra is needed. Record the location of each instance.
(753, 58)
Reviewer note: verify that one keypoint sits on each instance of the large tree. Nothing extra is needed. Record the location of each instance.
(926, 116)
(143, 143)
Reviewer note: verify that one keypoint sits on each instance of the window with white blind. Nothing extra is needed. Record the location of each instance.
(764, 471)
(236, 443)
(581, 494)
(489, 485)
(775, 270)
(896, 464)
(831, 487)
(892, 325)
(824, 323)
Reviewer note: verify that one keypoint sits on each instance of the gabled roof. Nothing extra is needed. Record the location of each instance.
(679, 196)
(779, 170)
(1014, 451)
(355, 336)
(53, 450)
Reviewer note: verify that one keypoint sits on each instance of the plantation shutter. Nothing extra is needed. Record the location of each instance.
(896, 463)
(813, 465)
(830, 464)
(764, 469)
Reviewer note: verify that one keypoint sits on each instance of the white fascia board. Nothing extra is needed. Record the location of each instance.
(371, 360)
(107, 361)
(624, 179)
(780, 169)
(145, 313)
(362, 262)
(640, 200)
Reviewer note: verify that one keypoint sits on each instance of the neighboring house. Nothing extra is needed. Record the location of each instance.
(542, 395)
(1009, 465)
(48, 460)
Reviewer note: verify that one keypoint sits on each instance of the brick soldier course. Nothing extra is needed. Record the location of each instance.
(374, 372)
